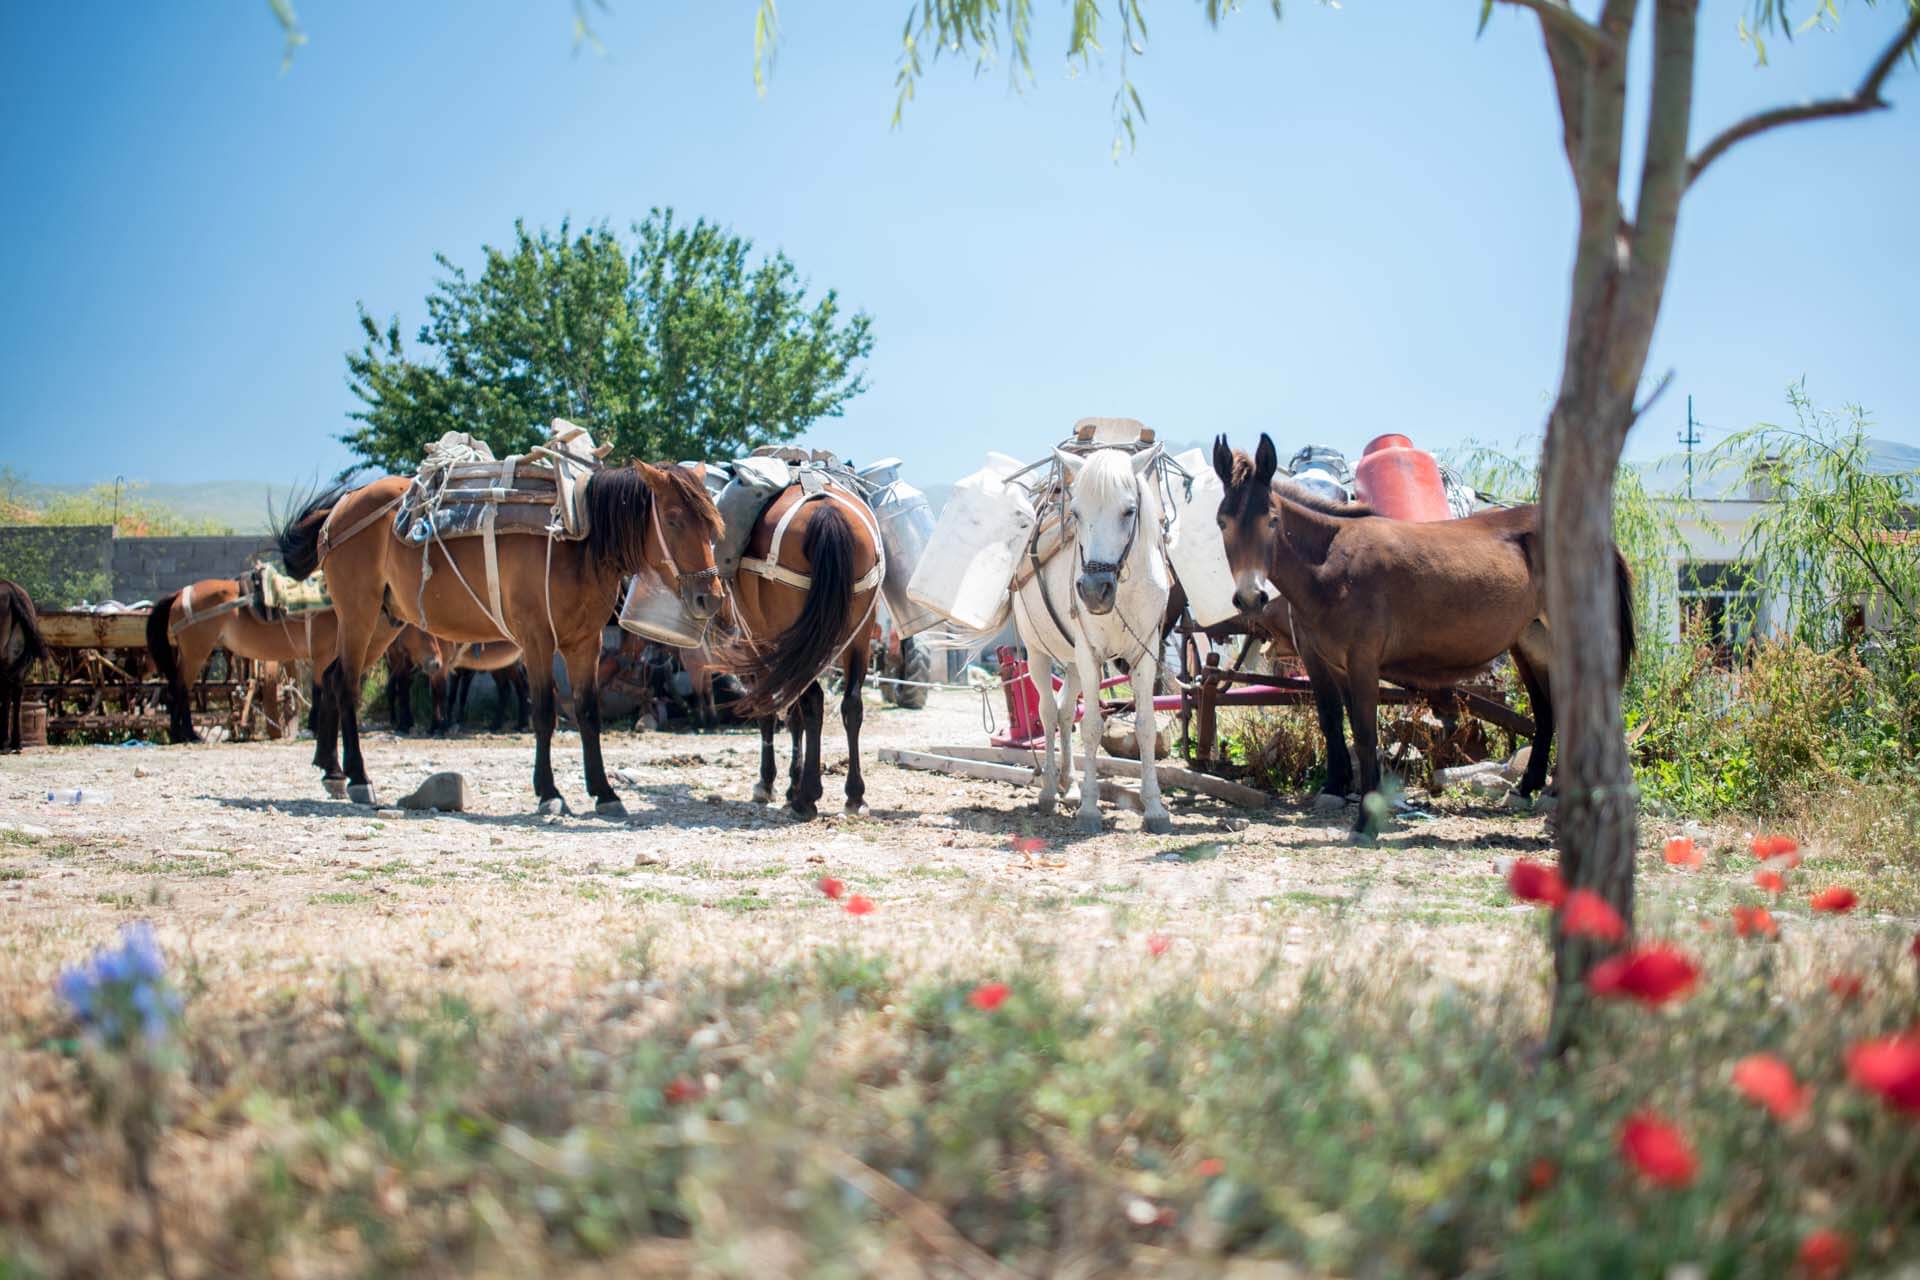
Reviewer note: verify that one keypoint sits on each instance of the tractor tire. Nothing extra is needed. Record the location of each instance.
(916, 663)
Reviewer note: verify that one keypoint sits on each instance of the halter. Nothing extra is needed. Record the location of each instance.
(682, 580)
(1115, 567)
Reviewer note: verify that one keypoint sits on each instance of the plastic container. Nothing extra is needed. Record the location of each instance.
(1195, 547)
(1400, 481)
(906, 527)
(1323, 472)
(969, 562)
(79, 795)
(654, 611)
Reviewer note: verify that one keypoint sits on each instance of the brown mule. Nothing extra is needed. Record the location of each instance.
(801, 610)
(554, 595)
(502, 661)
(186, 626)
(21, 645)
(415, 653)
(1422, 605)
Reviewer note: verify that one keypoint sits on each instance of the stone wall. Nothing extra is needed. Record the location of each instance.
(146, 568)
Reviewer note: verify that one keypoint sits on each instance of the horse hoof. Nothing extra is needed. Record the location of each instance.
(610, 809)
(1045, 805)
(799, 814)
(362, 793)
(1158, 824)
(336, 788)
(1327, 802)
(553, 807)
(762, 793)
(1088, 823)
(857, 809)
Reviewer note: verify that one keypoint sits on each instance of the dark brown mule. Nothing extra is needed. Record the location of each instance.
(553, 596)
(186, 626)
(415, 653)
(21, 645)
(1422, 605)
(503, 662)
(794, 633)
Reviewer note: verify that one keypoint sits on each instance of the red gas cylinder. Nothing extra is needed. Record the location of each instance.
(1400, 481)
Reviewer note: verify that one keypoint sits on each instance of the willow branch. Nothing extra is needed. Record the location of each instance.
(1861, 101)
(1558, 15)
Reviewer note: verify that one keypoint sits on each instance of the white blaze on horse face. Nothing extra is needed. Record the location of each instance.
(1106, 506)
(1252, 585)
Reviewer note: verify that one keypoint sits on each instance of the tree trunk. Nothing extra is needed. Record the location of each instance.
(1595, 817)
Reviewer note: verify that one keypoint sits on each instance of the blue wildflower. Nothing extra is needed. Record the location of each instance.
(122, 989)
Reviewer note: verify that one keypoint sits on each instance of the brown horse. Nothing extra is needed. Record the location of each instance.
(1423, 605)
(415, 653)
(801, 607)
(554, 595)
(186, 626)
(21, 645)
(503, 662)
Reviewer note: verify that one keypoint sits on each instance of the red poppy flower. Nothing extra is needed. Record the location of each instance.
(1825, 1253)
(1657, 1151)
(1652, 974)
(1768, 847)
(1682, 852)
(1915, 948)
(858, 905)
(1531, 882)
(1754, 922)
(1890, 1067)
(1771, 881)
(1847, 986)
(680, 1089)
(1028, 844)
(831, 887)
(989, 996)
(1768, 1081)
(1835, 898)
(1157, 944)
(1211, 1167)
(1543, 1173)
(1588, 915)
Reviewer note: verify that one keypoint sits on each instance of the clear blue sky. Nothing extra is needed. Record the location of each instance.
(1351, 221)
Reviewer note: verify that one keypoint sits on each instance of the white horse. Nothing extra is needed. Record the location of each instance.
(1101, 596)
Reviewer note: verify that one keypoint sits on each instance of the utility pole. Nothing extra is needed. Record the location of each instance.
(1690, 439)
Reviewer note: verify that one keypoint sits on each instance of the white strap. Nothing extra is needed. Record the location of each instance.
(491, 548)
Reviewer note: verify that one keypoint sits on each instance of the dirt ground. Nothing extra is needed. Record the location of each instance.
(232, 851)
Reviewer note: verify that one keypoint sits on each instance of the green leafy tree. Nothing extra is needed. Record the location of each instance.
(682, 346)
(1622, 255)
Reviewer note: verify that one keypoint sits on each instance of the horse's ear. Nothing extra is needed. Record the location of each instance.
(1070, 462)
(1266, 461)
(1223, 459)
(1144, 459)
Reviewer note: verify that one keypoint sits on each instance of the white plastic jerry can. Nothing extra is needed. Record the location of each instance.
(1198, 552)
(969, 562)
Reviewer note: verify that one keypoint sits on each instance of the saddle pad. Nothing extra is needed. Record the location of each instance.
(290, 597)
(752, 486)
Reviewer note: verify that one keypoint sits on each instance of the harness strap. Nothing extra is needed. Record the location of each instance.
(771, 568)
(490, 548)
(185, 603)
(329, 539)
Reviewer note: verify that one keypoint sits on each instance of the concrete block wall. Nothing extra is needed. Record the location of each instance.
(146, 568)
(59, 565)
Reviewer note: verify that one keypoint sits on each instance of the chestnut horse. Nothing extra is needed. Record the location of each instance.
(555, 595)
(801, 606)
(21, 645)
(1425, 605)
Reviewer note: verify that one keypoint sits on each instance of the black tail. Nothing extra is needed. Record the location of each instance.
(167, 663)
(298, 535)
(1623, 584)
(801, 653)
(27, 618)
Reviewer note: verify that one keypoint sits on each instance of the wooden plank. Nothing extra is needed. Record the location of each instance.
(1171, 775)
(988, 771)
(78, 629)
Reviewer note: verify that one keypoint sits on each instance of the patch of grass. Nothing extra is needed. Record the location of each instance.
(14, 873)
(334, 899)
(931, 871)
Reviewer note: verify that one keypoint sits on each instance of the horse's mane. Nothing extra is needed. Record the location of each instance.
(297, 534)
(692, 491)
(1105, 477)
(620, 504)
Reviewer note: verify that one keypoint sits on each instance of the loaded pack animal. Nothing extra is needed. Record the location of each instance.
(21, 645)
(805, 592)
(542, 594)
(1424, 605)
(1101, 597)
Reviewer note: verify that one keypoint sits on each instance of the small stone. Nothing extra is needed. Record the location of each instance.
(1518, 765)
(389, 813)
(445, 791)
(141, 771)
(1237, 824)
(1326, 802)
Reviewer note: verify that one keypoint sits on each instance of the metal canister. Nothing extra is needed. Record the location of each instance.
(906, 526)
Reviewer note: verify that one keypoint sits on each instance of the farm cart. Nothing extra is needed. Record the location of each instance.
(98, 683)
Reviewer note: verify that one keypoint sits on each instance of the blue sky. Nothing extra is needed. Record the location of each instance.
(1353, 221)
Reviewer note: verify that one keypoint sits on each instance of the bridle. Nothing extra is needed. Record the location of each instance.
(684, 582)
(1115, 567)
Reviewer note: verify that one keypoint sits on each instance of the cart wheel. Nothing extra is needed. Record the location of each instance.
(916, 663)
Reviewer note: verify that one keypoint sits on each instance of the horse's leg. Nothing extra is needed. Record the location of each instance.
(522, 699)
(362, 642)
(546, 714)
(763, 789)
(1331, 709)
(1363, 701)
(1089, 666)
(852, 712)
(1146, 736)
(1540, 694)
(811, 786)
(584, 657)
(326, 739)
(797, 740)
(442, 713)
(1050, 766)
(193, 647)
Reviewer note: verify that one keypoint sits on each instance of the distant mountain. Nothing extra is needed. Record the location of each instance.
(237, 505)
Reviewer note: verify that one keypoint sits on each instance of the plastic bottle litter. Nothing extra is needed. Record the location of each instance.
(79, 795)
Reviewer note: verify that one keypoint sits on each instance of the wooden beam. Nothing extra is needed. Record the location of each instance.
(1171, 775)
(987, 771)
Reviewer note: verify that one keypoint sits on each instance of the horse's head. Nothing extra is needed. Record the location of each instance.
(689, 525)
(1108, 504)
(1247, 519)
